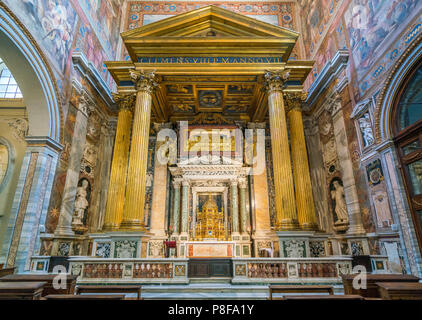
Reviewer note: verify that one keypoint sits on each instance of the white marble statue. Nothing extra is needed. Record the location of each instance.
(366, 129)
(81, 203)
(340, 203)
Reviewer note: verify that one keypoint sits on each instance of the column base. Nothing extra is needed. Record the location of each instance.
(288, 225)
(356, 230)
(235, 236)
(309, 226)
(64, 231)
(132, 225)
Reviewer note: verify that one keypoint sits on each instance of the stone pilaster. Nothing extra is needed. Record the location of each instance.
(176, 207)
(260, 219)
(134, 215)
(116, 193)
(243, 212)
(234, 208)
(158, 212)
(30, 204)
(185, 208)
(317, 172)
(283, 177)
(304, 198)
(64, 227)
(99, 198)
(349, 184)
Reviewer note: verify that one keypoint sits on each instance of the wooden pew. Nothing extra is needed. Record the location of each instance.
(110, 289)
(48, 289)
(7, 271)
(371, 290)
(400, 290)
(325, 297)
(81, 298)
(299, 289)
(21, 290)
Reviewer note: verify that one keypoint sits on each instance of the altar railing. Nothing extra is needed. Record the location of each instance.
(285, 270)
(129, 270)
(175, 270)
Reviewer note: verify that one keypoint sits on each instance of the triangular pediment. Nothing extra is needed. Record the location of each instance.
(209, 30)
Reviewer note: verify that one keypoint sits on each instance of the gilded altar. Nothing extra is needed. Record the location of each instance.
(212, 77)
(209, 222)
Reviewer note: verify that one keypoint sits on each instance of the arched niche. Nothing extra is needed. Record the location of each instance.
(35, 79)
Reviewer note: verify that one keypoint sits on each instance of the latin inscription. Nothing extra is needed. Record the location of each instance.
(205, 60)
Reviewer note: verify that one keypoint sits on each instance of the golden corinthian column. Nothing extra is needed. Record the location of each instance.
(133, 218)
(116, 191)
(304, 198)
(283, 177)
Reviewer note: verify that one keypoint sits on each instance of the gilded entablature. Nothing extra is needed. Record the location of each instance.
(210, 60)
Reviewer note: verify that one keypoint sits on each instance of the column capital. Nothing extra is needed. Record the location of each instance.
(333, 103)
(124, 101)
(86, 104)
(295, 100)
(234, 183)
(144, 81)
(108, 128)
(177, 183)
(185, 183)
(276, 80)
(243, 183)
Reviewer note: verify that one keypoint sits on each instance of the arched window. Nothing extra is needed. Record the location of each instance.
(407, 125)
(9, 89)
(410, 103)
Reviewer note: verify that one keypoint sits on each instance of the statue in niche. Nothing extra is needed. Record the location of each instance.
(341, 217)
(81, 203)
(366, 130)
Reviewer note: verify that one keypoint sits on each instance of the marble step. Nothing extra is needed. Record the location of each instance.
(209, 290)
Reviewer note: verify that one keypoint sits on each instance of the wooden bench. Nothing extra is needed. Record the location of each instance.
(7, 271)
(21, 290)
(400, 290)
(81, 298)
(325, 297)
(371, 290)
(109, 289)
(49, 278)
(299, 289)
